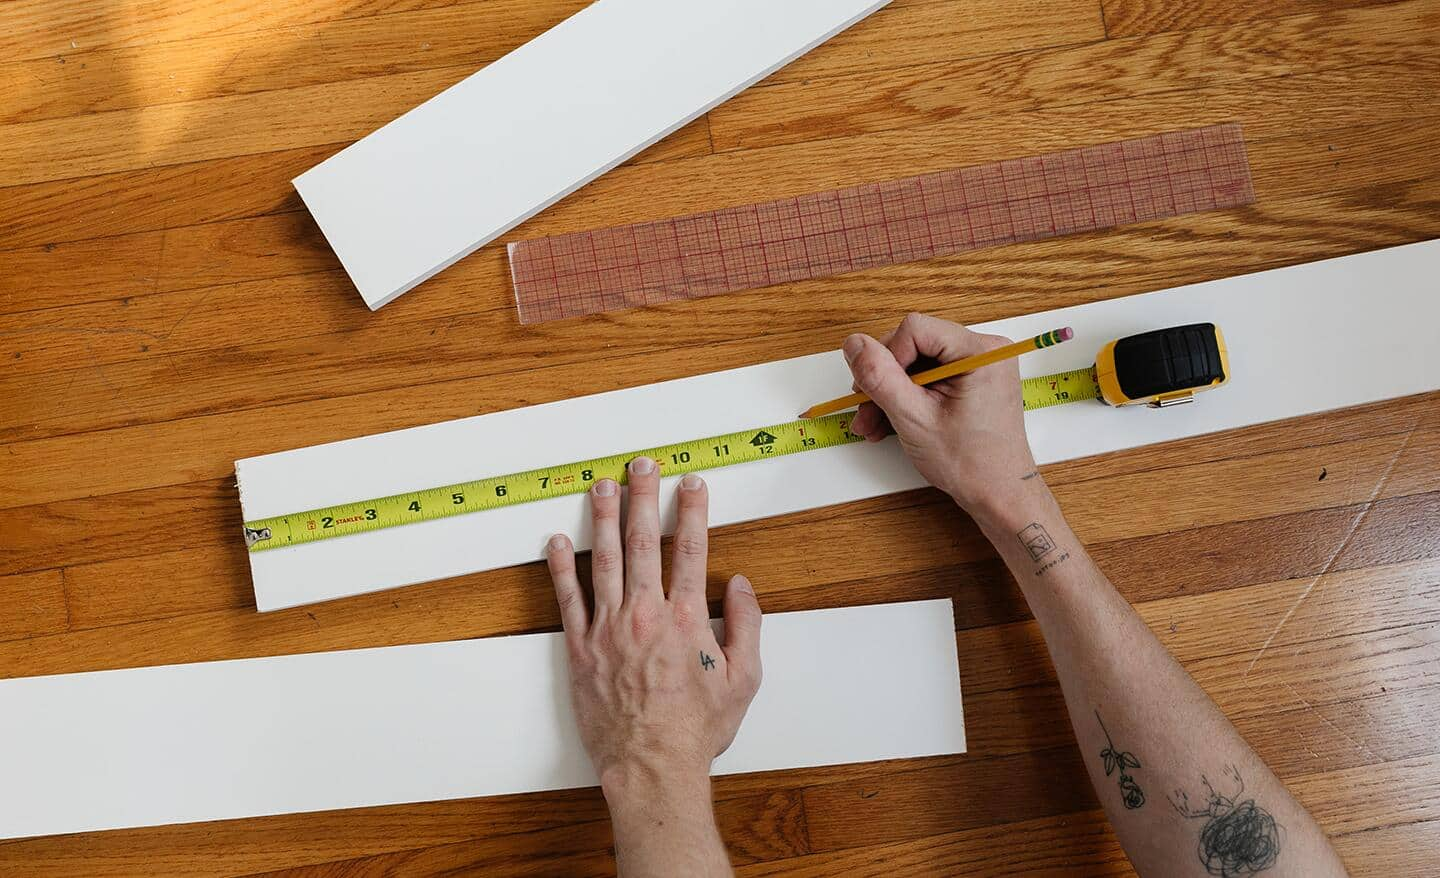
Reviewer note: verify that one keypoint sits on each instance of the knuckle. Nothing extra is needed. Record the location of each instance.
(605, 560)
(867, 371)
(643, 620)
(691, 545)
(752, 676)
(568, 599)
(996, 341)
(641, 540)
(684, 617)
(582, 658)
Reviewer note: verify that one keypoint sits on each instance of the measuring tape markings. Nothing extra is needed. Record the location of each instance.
(675, 459)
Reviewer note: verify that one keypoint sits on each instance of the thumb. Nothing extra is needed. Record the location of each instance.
(742, 627)
(881, 377)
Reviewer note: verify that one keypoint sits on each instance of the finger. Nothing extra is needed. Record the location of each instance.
(687, 563)
(560, 558)
(881, 377)
(607, 565)
(642, 532)
(742, 629)
(869, 421)
(920, 335)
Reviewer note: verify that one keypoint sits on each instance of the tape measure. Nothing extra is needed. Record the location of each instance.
(497, 492)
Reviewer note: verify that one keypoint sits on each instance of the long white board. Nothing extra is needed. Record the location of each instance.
(486, 154)
(1287, 330)
(279, 735)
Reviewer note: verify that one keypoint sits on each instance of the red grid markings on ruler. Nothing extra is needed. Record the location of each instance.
(877, 224)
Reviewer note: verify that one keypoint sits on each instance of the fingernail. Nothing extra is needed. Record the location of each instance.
(691, 482)
(604, 488)
(556, 544)
(742, 584)
(642, 466)
(852, 347)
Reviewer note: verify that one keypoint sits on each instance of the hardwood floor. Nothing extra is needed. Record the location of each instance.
(167, 306)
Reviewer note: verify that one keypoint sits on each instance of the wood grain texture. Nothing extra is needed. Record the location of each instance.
(166, 306)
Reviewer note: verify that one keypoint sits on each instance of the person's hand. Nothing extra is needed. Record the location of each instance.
(655, 695)
(966, 435)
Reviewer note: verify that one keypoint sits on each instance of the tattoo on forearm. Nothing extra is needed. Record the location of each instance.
(1030, 475)
(1120, 760)
(1239, 837)
(1036, 540)
(706, 661)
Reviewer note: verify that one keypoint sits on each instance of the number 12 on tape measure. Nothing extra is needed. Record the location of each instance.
(540, 484)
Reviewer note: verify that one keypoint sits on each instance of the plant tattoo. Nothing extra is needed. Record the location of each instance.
(1239, 837)
(1130, 792)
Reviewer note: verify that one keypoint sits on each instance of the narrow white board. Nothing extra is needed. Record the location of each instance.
(500, 146)
(1303, 339)
(216, 740)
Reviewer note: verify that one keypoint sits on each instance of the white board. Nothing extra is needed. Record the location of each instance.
(1279, 324)
(486, 154)
(218, 740)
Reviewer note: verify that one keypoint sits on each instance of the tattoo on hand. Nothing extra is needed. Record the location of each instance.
(1239, 837)
(706, 661)
(1130, 792)
(1030, 475)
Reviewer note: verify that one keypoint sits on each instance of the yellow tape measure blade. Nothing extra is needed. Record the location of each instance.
(1061, 388)
(495, 492)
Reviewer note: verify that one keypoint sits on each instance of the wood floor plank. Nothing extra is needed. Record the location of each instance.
(32, 604)
(56, 28)
(222, 127)
(151, 200)
(458, 34)
(1140, 17)
(1101, 71)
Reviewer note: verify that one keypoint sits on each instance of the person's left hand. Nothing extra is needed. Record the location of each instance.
(655, 695)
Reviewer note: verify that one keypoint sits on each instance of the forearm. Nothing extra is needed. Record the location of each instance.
(664, 825)
(1182, 806)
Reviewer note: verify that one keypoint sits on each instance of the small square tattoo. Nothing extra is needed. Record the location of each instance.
(1036, 540)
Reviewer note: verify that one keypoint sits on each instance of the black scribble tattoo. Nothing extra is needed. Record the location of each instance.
(1119, 760)
(1036, 540)
(706, 661)
(1030, 475)
(1239, 837)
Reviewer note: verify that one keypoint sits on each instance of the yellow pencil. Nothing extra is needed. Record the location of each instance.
(950, 370)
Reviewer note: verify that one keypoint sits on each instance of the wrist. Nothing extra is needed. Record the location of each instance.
(1010, 504)
(646, 783)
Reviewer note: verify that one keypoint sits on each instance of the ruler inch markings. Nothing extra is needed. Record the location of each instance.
(818, 234)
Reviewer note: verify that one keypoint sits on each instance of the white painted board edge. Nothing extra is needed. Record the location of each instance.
(354, 728)
(481, 157)
(1286, 330)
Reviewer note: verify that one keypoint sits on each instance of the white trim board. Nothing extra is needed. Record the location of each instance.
(1285, 329)
(498, 147)
(279, 735)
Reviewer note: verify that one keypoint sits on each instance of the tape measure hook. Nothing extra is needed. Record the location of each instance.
(256, 535)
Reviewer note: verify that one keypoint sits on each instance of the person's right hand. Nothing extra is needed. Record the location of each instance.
(966, 435)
